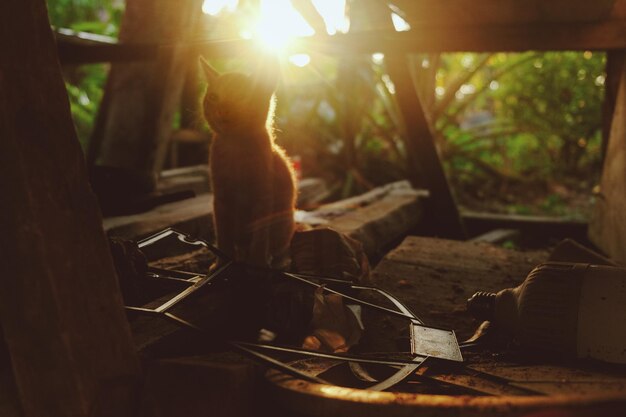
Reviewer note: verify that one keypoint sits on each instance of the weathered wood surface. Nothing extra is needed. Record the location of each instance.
(195, 178)
(191, 216)
(376, 218)
(504, 12)
(60, 308)
(435, 277)
(549, 379)
(607, 228)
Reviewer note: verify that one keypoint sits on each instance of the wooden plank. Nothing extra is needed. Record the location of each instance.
(193, 216)
(60, 307)
(195, 178)
(460, 12)
(376, 218)
(607, 228)
(555, 227)
(86, 48)
(427, 37)
(379, 224)
(488, 38)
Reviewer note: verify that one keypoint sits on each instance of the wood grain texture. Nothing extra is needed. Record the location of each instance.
(435, 277)
(504, 11)
(607, 228)
(60, 307)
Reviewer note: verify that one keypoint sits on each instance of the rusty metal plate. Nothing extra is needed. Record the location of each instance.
(435, 342)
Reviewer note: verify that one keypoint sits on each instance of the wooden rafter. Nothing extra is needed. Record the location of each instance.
(493, 12)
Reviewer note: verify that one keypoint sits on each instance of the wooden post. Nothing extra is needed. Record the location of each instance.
(423, 162)
(607, 227)
(60, 307)
(614, 67)
(142, 97)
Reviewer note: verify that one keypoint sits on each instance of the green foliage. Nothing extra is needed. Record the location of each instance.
(526, 122)
(85, 88)
(96, 16)
(85, 84)
(517, 133)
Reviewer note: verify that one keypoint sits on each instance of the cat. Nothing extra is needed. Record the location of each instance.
(252, 179)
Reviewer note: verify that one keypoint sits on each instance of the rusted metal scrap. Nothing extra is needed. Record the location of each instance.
(427, 343)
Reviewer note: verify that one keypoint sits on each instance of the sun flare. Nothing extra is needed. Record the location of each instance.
(276, 22)
(214, 7)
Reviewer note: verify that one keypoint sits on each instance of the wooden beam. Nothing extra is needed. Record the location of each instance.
(61, 310)
(427, 37)
(435, 38)
(460, 12)
(474, 38)
(85, 48)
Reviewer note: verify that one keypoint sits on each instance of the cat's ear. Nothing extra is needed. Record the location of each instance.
(210, 73)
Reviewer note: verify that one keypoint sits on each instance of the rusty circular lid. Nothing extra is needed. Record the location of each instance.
(314, 399)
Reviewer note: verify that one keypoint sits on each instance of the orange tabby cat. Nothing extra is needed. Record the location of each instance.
(252, 179)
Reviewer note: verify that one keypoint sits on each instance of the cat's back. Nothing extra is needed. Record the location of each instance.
(237, 161)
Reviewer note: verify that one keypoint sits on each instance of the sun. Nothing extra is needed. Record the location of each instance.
(277, 22)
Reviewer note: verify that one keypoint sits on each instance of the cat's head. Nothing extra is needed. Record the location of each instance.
(234, 101)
